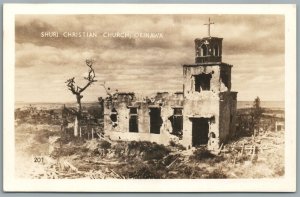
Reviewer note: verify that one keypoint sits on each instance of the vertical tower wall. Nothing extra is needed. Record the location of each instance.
(203, 103)
(228, 104)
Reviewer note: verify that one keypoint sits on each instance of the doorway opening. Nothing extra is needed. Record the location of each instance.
(200, 129)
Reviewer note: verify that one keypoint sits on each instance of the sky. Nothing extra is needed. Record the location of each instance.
(253, 44)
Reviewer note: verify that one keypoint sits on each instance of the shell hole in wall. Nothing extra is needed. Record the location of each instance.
(114, 117)
(177, 122)
(212, 135)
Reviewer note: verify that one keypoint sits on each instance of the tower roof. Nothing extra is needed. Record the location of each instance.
(209, 38)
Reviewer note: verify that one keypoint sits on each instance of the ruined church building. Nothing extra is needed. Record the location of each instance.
(204, 113)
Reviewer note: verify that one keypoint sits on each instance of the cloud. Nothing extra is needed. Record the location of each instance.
(260, 34)
(254, 44)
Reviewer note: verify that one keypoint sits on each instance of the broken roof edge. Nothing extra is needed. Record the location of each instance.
(230, 93)
(191, 116)
(207, 64)
(209, 37)
(171, 92)
(140, 97)
(153, 94)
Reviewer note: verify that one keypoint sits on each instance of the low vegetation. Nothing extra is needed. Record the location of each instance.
(66, 156)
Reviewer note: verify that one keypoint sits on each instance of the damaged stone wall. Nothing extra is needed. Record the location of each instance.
(122, 103)
(220, 80)
(228, 104)
(190, 72)
(203, 104)
(207, 104)
(116, 108)
(205, 108)
(225, 76)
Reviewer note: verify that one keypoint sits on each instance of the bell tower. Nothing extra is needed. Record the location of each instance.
(209, 105)
(208, 49)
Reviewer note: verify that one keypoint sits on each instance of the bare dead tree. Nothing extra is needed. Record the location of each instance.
(77, 91)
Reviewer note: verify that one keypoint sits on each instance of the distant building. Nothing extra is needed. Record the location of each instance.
(203, 113)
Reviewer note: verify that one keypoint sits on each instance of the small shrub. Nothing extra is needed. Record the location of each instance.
(172, 143)
(144, 172)
(217, 174)
(67, 137)
(242, 158)
(84, 150)
(142, 149)
(176, 145)
(105, 145)
(137, 170)
(147, 150)
(185, 171)
(95, 152)
(120, 149)
(63, 151)
(169, 159)
(156, 151)
(216, 159)
(202, 154)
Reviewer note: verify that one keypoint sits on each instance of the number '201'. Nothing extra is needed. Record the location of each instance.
(38, 159)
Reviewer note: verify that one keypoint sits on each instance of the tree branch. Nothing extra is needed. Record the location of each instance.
(70, 85)
(90, 77)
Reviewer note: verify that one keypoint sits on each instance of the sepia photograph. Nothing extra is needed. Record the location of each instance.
(155, 95)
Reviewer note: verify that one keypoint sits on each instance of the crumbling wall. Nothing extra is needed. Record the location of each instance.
(228, 104)
(121, 103)
(117, 105)
(233, 109)
(225, 77)
(204, 103)
(168, 102)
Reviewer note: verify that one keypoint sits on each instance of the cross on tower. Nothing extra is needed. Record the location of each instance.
(208, 25)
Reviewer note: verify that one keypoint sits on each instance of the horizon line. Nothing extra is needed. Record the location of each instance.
(97, 101)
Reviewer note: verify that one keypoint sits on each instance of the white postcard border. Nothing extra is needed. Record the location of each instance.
(286, 184)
